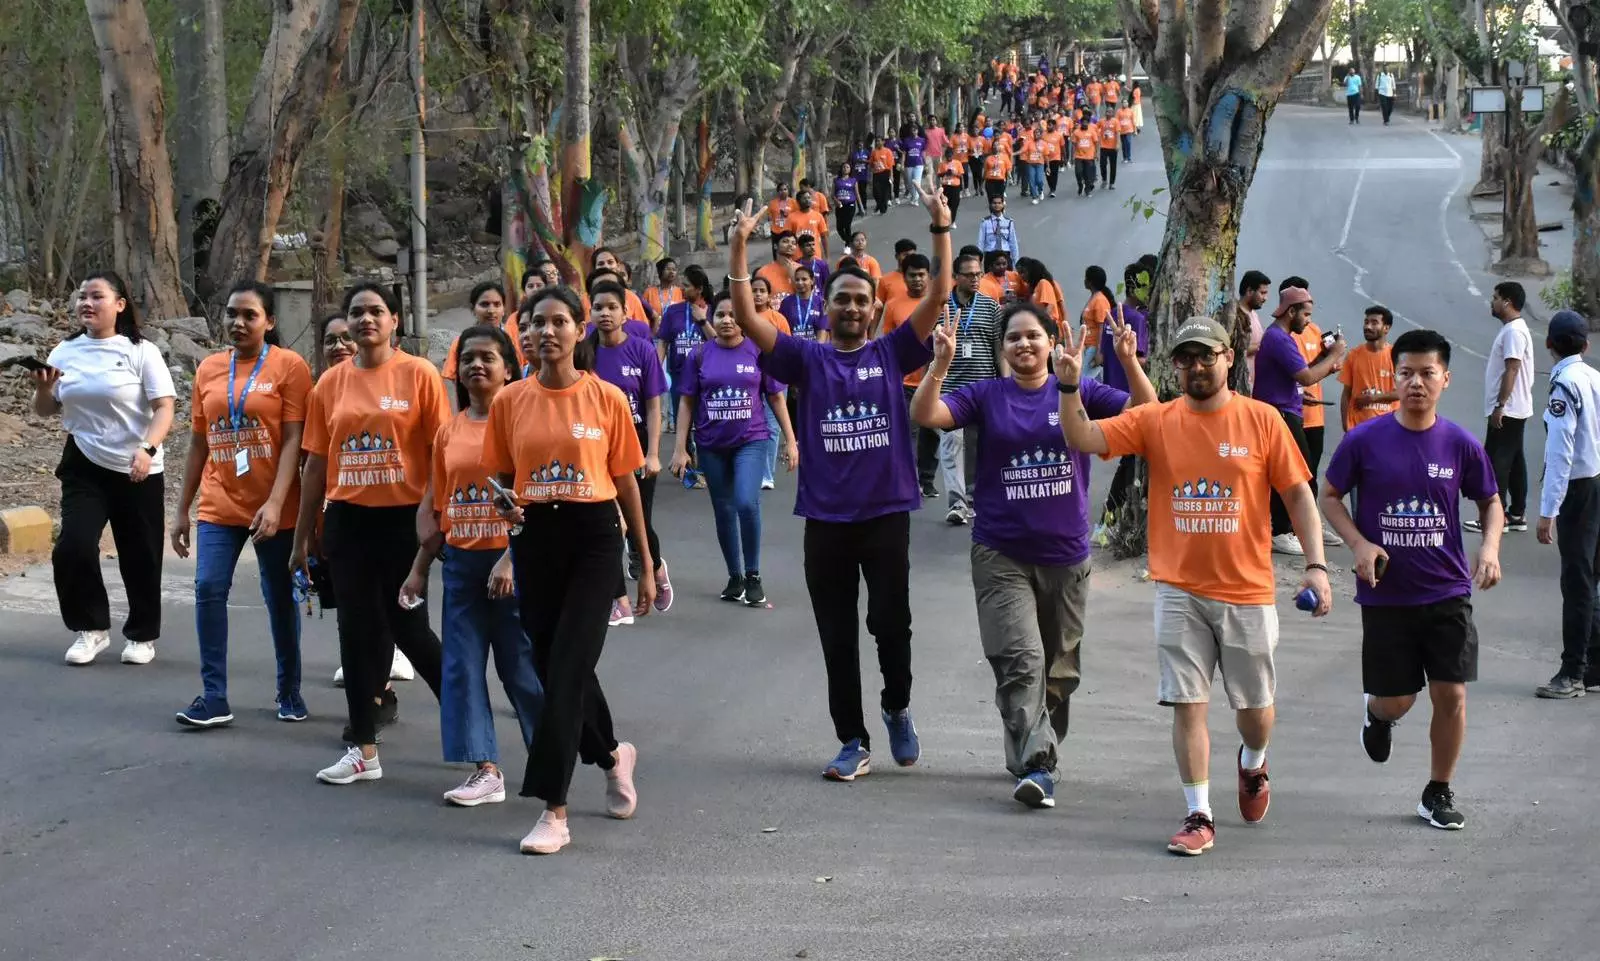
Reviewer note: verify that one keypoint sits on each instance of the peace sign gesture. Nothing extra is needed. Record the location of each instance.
(938, 207)
(1124, 339)
(1069, 355)
(944, 343)
(744, 224)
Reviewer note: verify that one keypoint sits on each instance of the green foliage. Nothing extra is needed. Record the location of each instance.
(1145, 209)
(1560, 293)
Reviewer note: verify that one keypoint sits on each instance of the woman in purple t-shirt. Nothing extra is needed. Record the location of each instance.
(722, 387)
(846, 199)
(1030, 542)
(916, 146)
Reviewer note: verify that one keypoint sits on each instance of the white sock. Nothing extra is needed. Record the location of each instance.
(1198, 797)
(1251, 759)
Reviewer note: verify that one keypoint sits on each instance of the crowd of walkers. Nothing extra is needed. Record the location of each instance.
(527, 468)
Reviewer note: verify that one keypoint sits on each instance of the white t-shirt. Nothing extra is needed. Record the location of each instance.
(1385, 85)
(105, 391)
(1514, 342)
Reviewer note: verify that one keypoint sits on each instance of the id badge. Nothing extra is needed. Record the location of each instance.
(241, 462)
(966, 351)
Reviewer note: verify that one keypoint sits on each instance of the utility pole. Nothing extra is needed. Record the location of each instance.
(419, 188)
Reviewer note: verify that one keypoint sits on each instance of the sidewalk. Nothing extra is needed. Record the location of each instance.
(1552, 204)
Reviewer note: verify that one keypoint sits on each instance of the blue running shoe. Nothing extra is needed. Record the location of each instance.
(204, 713)
(292, 707)
(851, 761)
(903, 743)
(1036, 790)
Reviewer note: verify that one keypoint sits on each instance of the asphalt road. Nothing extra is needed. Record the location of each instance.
(124, 836)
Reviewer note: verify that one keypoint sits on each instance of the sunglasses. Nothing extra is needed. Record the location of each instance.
(1189, 359)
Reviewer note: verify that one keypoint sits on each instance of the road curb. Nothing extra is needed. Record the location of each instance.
(25, 530)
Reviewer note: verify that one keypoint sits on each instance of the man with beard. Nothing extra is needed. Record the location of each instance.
(1220, 455)
(1253, 288)
(780, 273)
(1281, 376)
(859, 484)
(1368, 372)
(977, 333)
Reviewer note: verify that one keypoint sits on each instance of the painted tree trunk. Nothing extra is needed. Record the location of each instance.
(704, 232)
(1586, 228)
(744, 182)
(146, 238)
(201, 125)
(1519, 224)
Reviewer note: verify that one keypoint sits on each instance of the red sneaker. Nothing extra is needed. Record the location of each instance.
(1255, 793)
(1197, 836)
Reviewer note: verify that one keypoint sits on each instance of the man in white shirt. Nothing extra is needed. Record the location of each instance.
(1385, 88)
(1569, 502)
(1508, 402)
(1254, 288)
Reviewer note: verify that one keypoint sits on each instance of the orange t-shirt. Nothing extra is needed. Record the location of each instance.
(819, 202)
(1048, 295)
(1095, 314)
(1093, 90)
(376, 428)
(961, 147)
(461, 493)
(509, 326)
(1310, 343)
(882, 160)
(562, 445)
(895, 313)
(277, 397)
(778, 320)
(995, 288)
(1210, 536)
(779, 211)
(1034, 150)
(994, 167)
(1367, 373)
(808, 221)
(660, 298)
(1113, 91)
(1083, 143)
(891, 285)
(866, 262)
(952, 173)
(1138, 94)
(1109, 138)
(777, 280)
(1056, 145)
(1124, 120)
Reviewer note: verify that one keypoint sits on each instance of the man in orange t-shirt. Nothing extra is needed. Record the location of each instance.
(1215, 457)
(809, 220)
(893, 284)
(1368, 372)
(1108, 152)
(1084, 149)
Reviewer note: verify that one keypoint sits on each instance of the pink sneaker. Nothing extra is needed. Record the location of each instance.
(663, 590)
(621, 797)
(483, 787)
(621, 613)
(548, 836)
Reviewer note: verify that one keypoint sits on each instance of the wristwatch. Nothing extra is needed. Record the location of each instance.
(149, 449)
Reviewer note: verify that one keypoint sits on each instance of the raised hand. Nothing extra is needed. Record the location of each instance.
(743, 223)
(944, 341)
(1124, 340)
(938, 208)
(1069, 355)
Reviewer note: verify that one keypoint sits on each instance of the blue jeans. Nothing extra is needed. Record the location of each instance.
(1035, 180)
(1127, 148)
(217, 549)
(733, 478)
(475, 624)
(772, 444)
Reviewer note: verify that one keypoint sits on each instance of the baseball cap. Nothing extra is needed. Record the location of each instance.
(1290, 296)
(1568, 323)
(1201, 330)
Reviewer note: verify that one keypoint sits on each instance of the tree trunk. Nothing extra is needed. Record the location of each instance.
(301, 65)
(745, 183)
(680, 163)
(705, 170)
(823, 114)
(1452, 93)
(646, 136)
(1519, 224)
(1586, 227)
(201, 126)
(146, 237)
(582, 199)
(328, 275)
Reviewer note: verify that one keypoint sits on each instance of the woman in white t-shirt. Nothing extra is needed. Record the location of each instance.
(115, 396)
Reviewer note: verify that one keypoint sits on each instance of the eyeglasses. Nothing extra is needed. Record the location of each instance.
(1189, 359)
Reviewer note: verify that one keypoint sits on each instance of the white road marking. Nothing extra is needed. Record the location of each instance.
(1351, 163)
(1444, 210)
(1355, 195)
(1357, 285)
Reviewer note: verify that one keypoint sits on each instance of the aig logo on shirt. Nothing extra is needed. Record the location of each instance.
(632, 371)
(744, 368)
(865, 373)
(393, 403)
(580, 432)
(1443, 473)
(1226, 449)
(1055, 418)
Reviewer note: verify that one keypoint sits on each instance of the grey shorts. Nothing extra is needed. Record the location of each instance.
(1195, 635)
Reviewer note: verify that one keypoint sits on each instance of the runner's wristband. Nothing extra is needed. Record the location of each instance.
(1066, 388)
(1317, 567)
(936, 229)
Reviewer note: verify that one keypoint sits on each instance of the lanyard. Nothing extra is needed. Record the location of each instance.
(803, 312)
(972, 308)
(236, 414)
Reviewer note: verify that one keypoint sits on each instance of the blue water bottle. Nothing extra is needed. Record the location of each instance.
(1306, 600)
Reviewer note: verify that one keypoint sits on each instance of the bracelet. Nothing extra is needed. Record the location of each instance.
(1317, 567)
(739, 280)
(1066, 388)
(936, 229)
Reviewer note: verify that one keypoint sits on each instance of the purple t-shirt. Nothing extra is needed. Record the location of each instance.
(854, 427)
(806, 317)
(1277, 361)
(1112, 371)
(1407, 486)
(631, 327)
(893, 143)
(845, 190)
(861, 165)
(729, 389)
(681, 334)
(914, 149)
(633, 366)
(1032, 490)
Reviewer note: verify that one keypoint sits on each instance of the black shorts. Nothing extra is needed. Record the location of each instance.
(1403, 648)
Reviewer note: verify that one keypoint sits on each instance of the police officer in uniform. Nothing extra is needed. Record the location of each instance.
(1569, 502)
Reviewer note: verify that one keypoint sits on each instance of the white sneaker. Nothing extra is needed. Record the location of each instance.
(352, 767)
(483, 787)
(400, 669)
(622, 798)
(88, 646)
(338, 677)
(138, 652)
(1287, 544)
(1330, 538)
(548, 836)
(767, 485)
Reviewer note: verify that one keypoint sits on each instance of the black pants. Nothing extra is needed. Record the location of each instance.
(1052, 174)
(994, 188)
(1121, 483)
(1281, 523)
(1504, 447)
(1084, 169)
(926, 445)
(1314, 440)
(1386, 104)
(647, 503)
(369, 552)
(844, 215)
(837, 558)
(92, 496)
(1108, 161)
(564, 559)
(952, 197)
(1578, 537)
(880, 192)
(1352, 102)
(899, 180)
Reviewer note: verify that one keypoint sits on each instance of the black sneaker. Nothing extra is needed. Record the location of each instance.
(634, 565)
(1438, 807)
(1514, 523)
(389, 709)
(1377, 737)
(735, 590)
(754, 595)
(1560, 687)
(928, 490)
